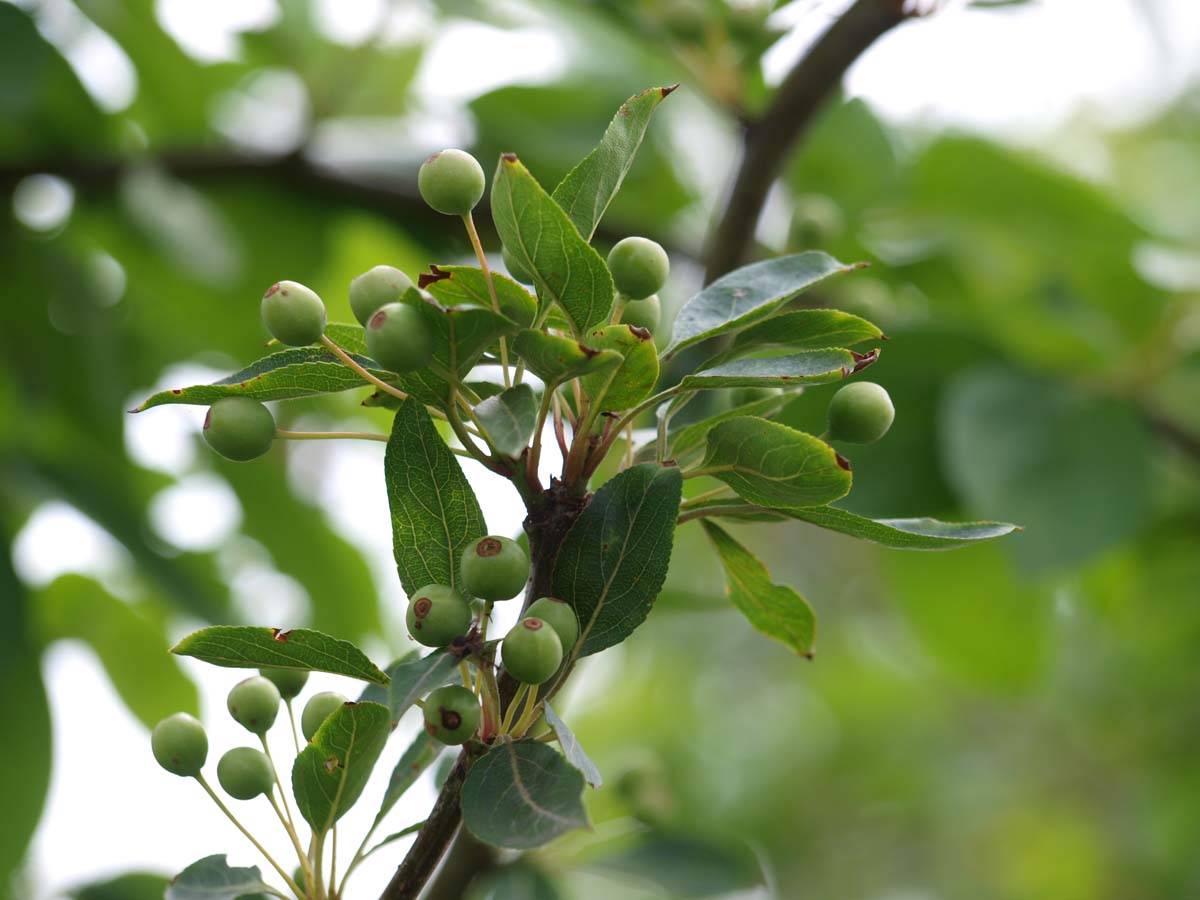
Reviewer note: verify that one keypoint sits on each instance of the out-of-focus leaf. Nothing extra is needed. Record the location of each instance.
(509, 418)
(684, 866)
(130, 646)
(251, 647)
(330, 773)
(434, 511)
(521, 880)
(555, 359)
(575, 753)
(134, 886)
(522, 794)
(776, 610)
(212, 878)
(614, 559)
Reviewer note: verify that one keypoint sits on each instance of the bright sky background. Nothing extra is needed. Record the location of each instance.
(1020, 73)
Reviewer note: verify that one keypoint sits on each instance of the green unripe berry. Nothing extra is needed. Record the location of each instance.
(451, 714)
(451, 181)
(531, 652)
(495, 568)
(515, 267)
(375, 288)
(293, 313)
(639, 267)
(245, 773)
(239, 428)
(398, 338)
(437, 615)
(254, 704)
(319, 708)
(559, 616)
(643, 313)
(860, 413)
(180, 744)
(290, 682)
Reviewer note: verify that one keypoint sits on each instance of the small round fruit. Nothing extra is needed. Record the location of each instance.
(515, 267)
(452, 714)
(245, 773)
(254, 704)
(639, 267)
(290, 682)
(293, 314)
(643, 313)
(319, 708)
(180, 744)
(451, 181)
(531, 652)
(437, 615)
(398, 338)
(495, 568)
(860, 413)
(559, 616)
(239, 428)
(375, 288)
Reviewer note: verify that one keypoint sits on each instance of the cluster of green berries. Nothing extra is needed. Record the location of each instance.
(639, 268)
(180, 744)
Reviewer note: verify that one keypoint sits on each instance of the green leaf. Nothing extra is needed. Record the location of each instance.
(331, 772)
(637, 373)
(467, 286)
(461, 333)
(587, 190)
(128, 644)
(773, 465)
(509, 418)
(556, 359)
(693, 436)
(801, 329)
(520, 880)
(131, 886)
(614, 559)
(212, 878)
(776, 610)
(571, 749)
(252, 647)
(522, 794)
(565, 268)
(419, 756)
(903, 534)
(415, 676)
(748, 295)
(808, 367)
(683, 866)
(434, 511)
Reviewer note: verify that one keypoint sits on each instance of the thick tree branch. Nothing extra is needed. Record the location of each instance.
(769, 139)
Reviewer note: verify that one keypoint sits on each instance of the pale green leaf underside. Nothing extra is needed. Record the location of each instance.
(565, 268)
(523, 794)
(509, 418)
(801, 329)
(330, 773)
(252, 647)
(434, 511)
(614, 559)
(807, 367)
(749, 295)
(415, 676)
(903, 534)
(212, 878)
(571, 748)
(586, 191)
(774, 609)
(774, 465)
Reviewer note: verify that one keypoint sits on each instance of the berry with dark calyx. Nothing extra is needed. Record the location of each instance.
(495, 568)
(293, 313)
(239, 428)
(245, 773)
(860, 413)
(398, 338)
(531, 651)
(319, 708)
(515, 267)
(375, 288)
(639, 267)
(451, 181)
(559, 615)
(437, 615)
(180, 744)
(254, 704)
(642, 313)
(451, 714)
(290, 682)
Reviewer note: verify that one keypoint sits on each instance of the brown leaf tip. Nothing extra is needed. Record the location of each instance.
(668, 90)
(862, 360)
(642, 334)
(509, 157)
(280, 636)
(433, 276)
(842, 461)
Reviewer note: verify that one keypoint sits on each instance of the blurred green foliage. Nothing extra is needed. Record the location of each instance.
(1007, 722)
